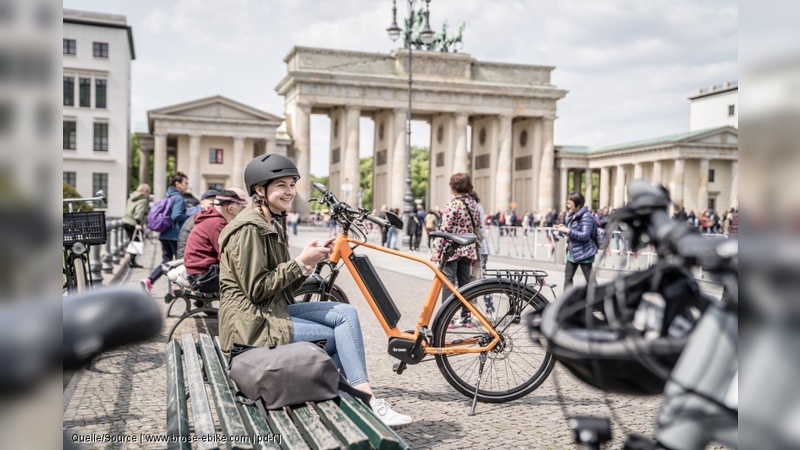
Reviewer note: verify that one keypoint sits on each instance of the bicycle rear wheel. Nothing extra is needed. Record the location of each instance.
(516, 366)
(313, 293)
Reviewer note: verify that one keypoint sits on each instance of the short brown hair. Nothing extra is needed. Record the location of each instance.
(177, 178)
(461, 183)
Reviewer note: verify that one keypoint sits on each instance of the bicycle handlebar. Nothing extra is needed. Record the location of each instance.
(338, 207)
(100, 196)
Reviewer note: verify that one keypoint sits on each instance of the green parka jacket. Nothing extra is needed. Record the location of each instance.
(136, 209)
(257, 278)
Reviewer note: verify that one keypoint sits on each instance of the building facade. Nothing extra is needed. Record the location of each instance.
(212, 139)
(98, 50)
(716, 106)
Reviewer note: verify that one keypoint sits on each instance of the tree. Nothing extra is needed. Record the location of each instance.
(365, 168)
(419, 172)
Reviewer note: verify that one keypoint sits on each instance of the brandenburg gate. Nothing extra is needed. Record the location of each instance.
(510, 109)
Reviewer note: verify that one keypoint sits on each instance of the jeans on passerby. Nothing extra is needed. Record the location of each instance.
(618, 237)
(337, 323)
(569, 272)
(293, 225)
(169, 249)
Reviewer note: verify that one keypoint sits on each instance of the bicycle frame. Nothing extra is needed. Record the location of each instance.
(342, 251)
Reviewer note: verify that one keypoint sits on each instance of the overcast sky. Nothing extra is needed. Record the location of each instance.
(628, 65)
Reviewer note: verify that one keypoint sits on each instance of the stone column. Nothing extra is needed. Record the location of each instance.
(563, 182)
(657, 173)
(350, 168)
(160, 166)
(605, 179)
(397, 171)
(619, 187)
(734, 185)
(503, 180)
(144, 167)
(271, 146)
(576, 181)
(194, 165)
(638, 171)
(548, 166)
(702, 192)
(237, 170)
(301, 133)
(588, 190)
(677, 181)
(537, 162)
(460, 154)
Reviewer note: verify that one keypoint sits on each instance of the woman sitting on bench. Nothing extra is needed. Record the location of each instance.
(258, 278)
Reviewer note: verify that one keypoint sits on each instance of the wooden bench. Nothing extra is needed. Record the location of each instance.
(198, 371)
(196, 303)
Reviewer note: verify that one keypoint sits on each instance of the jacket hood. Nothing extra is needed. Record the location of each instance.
(207, 214)
(136, 195)
(249, 216)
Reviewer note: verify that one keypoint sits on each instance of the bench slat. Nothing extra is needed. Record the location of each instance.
(223, 399)
(312, 429)
(201, 410)
(177, 411)
(381, 436)
(281, 423)
(344, 428)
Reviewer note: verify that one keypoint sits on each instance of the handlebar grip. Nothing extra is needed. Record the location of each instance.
(319, 186)
(378, 221)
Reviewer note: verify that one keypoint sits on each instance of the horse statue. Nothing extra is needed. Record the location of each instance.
(443, 41)
(452, 40)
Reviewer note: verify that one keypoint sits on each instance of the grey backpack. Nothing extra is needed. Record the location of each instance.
(285, 375)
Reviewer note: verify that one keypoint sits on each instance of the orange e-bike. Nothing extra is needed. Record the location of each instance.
(477, 338)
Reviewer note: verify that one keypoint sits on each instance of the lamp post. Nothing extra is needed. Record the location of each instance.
(426, 36)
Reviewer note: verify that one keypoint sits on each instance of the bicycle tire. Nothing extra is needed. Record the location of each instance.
(516, 366)
(79, 272)
(313, 293)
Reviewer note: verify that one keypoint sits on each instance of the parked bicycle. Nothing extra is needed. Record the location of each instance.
(654, 333)
(493, 361)
(82, 229)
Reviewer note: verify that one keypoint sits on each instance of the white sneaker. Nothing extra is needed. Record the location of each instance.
(388, 416)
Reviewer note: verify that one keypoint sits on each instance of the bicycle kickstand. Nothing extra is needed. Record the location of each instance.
(482, 361)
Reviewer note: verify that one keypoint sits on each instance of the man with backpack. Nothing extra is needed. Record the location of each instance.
(166, 217)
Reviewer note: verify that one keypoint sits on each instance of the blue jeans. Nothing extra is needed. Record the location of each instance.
(169, 249)
(339, 324)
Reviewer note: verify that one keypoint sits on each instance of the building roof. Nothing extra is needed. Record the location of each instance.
(97, 19)
(200, 108)
(652, 142)
(714, 90)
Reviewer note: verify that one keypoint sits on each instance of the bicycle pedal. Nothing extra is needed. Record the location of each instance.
(399, 368)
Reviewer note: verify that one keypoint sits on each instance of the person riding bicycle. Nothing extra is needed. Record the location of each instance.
(258, 278)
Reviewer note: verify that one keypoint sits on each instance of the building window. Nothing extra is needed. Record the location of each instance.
(69, 47)
(100, 49)
(710, 175)
(99, 93)
(216, 186)
(69, 134)
(85, 92)
(731, 110)
(101, 137)
(215, 155)
(99, 182)
(69, 91)
(712, 203)
(71, 179)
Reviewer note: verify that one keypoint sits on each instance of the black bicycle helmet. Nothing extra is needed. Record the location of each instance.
(265, 168)
(629, 336)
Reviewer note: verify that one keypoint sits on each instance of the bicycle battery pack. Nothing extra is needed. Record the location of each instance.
(376, 289)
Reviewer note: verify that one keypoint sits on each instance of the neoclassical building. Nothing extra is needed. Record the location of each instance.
(700, 168)
(212, 140)
(511, 109)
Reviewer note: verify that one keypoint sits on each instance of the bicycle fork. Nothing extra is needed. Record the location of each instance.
(482, 361)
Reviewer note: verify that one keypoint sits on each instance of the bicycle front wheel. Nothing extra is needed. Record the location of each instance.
(313, 293)
(516, 366)
(79, 272)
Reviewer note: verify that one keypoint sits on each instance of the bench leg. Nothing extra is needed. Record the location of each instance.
(172, 303)
(188, 314)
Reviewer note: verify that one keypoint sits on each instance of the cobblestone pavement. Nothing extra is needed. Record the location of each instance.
(123, 392)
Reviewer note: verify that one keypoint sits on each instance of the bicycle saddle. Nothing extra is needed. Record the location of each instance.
(459, 239)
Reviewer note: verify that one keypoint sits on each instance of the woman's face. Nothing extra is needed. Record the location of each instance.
(570, 205)
(280, 194)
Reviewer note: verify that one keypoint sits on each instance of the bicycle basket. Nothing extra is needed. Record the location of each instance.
(86, 227)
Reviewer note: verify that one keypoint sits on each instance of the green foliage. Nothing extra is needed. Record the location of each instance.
(135, 163)
(419, 172)
(70, 192)
(365, 168)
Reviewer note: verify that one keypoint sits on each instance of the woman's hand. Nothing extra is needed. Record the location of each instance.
(314, 253)
(137, 227)
(561, 228)
(436, 257)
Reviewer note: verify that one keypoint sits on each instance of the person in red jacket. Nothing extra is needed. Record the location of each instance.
(201, 257)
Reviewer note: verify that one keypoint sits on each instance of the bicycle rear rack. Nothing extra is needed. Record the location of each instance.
(519, 275)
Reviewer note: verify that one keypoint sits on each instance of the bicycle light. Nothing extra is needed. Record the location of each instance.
(78, 248)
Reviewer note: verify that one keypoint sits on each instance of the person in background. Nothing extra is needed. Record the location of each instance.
(484, 252)
(136, 215)
(293, 218)
(580, 230)
(258, 278)
(431, 224)
(202, 248)
(178, 185)
(206, 202)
